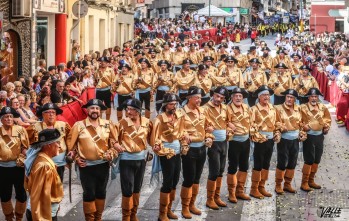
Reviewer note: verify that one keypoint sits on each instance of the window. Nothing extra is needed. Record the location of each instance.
(339, 26)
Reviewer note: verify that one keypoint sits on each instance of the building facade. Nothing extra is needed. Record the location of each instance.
(15, 52)
(321, 21)
(108, 23)
(172, 8)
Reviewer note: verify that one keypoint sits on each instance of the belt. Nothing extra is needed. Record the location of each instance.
(197, 144)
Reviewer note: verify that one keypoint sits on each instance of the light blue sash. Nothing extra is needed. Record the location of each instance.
(175, 145)
(141, 91)
(8, 164)
(314, 132)
(116, 99)
(132, 156)
(269, 135)
(240, 138)
(197, 144)
(163, 88)
(230, 88)
(59, 160)
(220, 135)
(94, 162)
(32, 153)
(290, 135)
(176, 66)
(54, 207)
(181, 91)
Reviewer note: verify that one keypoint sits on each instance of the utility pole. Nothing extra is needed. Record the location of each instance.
(209, 8)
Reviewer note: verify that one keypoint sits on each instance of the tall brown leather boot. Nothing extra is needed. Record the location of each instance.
(170, 214)
(289, 174)
(164, 201)
(217, 194)
(186, 194)
(195, 192)
(311, 181)
(261, 186)
(126, 205)
(108, 113)
(279, 178)
(211, 188)
(135, 207)
(147, 114)
(89, 210)
(100, 203)
(240, 188)
(7, 209)
(231, 182)
(119, 115)
(20, 210)
(305, 178)
(256, 178)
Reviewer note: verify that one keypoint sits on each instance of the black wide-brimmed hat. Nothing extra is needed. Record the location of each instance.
(48, 106)
(295, 54)
(220, 90)
(282, 50)
(290, 92)
(265, 49)
(135, 103)
(9, 110)
(202, 67)
(222, 45)
(138, 53)
(254, 60)
(170, 97)
(167, 43)
(252, 48)
(313, 91)
(150, 45)
(161, 62)
(208, 58)
(104, 59)
(187, 61)
(235, 48)
(138, 47)
(263, 88)
(205, 44)
(230, 58)
(152, 50)
(45, 137)
(95, 102)
(144, 60)
(193, 90)
(125, 66)
(179, 45)
(192, 45)
(305, 67)
(223, 56)
(238, 90)
(281, 65)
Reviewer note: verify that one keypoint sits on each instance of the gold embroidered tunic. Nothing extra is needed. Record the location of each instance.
(105, 78)
(11, 146)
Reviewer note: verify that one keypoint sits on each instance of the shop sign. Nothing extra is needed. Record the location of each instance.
(243, 11)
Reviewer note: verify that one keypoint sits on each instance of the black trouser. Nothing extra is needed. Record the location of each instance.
(262, 155)
(60, 171)
(217, 157)
(251, 100)
(159, 96)
(145, 98)
(12, 177)
(303, 100)
(131, 176)
(121, 100)
(94, 181)
(171, 168)
(193, 164)
(204, 100)
(279, 99)
(105, 96)
(287, 154)
(28, 214)
(313, 148)
(238, 155)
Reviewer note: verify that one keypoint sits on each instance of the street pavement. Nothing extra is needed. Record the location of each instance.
(332, 175)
